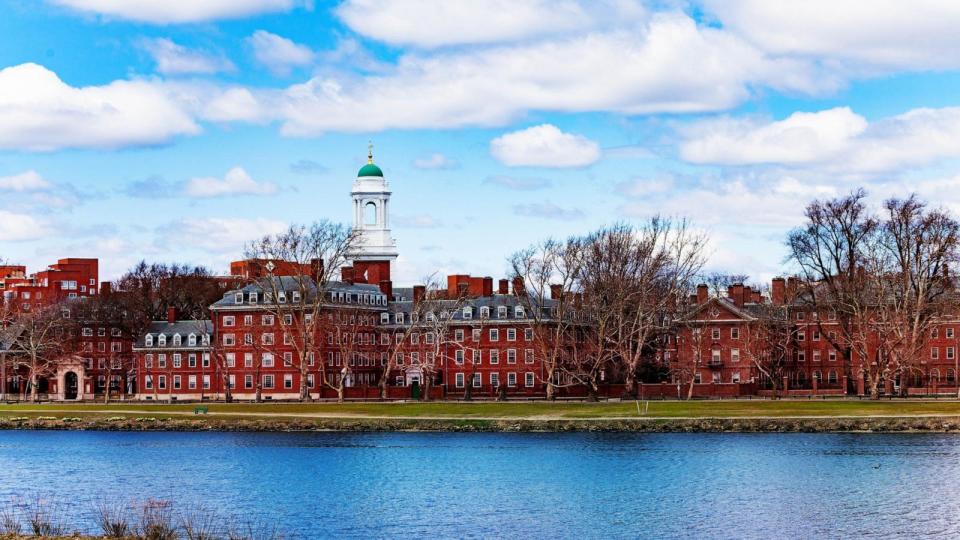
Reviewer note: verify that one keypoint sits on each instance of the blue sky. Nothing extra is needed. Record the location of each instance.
(178, 130)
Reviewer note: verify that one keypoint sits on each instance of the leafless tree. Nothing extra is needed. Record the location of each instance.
(768, 341)
(436, 321)
(313, 255)
(44, 336)
(551, 272)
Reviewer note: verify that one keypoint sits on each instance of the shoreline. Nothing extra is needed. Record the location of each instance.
(885, 424)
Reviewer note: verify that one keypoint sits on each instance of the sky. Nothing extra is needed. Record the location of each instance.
(177, 131)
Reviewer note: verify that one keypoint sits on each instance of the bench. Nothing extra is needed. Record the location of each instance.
(201, 410)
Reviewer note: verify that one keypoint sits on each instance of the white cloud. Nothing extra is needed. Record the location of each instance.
(436, 161)
(16, 227)
(25, 181)
(836, 140)
(855, 35)
(642, 187)
(41, 113)
(434, 23)
(218, 235)
(178, 11)
(518, 184)
(236, 182)
(547, 210)
(173, 59)
(625, 71)
(277, 53)
(544, 146)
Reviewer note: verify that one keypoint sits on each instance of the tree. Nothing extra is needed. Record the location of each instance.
(437, 320)
(632, 278)
(550, 273)
(311, 256)
(831, 251)
(109, 311)
(767, 342)
(44, 335)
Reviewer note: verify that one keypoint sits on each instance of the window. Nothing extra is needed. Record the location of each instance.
(295, 296)
(192, 382)
(288, 381)
(511, 379)
(287, 319)
(950, 353)
(815, 336)
(287, 359)
(528, 334)
(229, 320)
(950, 333)
(518, 312)
(88, 331)
(801, 336)
(511, 356)
(494, 334)
(715, 357)
(832, 377)
(162, 361)
(248, 381)
(192, 360)
(459, 356)
(248, 360)
(267, 339)
(475, 335)
(268, 381)
(192, 340)
(248, 320)
(735, 333)
(502, 312)
(176, 382)
(399, 317)
(816, 356)
(511, 334)
(232, 381)
(177, 361)
(384, 318)
(734, 355)
(495, 380)
(801, 356)
(697, 379)
(458, 335)
(162, 340)
(266, 320)
(148, 382)
(162, 382)
(230, 359)
(800, 316)
(832, 356)
(177, 340)
(468, 312)
(311, 381)
(715, 333)
(934, 353)
(148, 341)
(477, 380)
(494, 356)
(238, 298)
(229, 340)
(715, 377)
(267, 360)
(935, 333)
(148, 361)
(528, 379)
(528, 356)
(485, 312)
(459, 379)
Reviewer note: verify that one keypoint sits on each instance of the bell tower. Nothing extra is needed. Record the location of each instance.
(375, 249)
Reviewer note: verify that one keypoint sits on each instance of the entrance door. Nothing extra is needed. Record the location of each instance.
(70, 385)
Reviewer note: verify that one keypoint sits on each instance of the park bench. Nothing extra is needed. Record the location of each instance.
(201, 410)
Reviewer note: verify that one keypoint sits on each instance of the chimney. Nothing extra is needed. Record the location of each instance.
(171, 315)
(556, 291)
(735, 292)
(106, 288)
(518, 289)
(778, 291)
(693, 299)
(504, 287)
(386, 287)
(792, 285)
(702, 293)
(756, 297)
(346, 274)
(316, 269)
(419, 291)
(488, 286)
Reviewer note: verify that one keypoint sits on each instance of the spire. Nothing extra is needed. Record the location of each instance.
(370, 152)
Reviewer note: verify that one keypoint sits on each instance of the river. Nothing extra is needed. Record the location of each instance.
(525, 485)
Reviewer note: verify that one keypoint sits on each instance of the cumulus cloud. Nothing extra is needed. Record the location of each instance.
(174, 59)
(547, 210)
(835, 139)
(236, 182)
(178, 11)
(858, 36)
(517, 183)
(25, 181)
(42, 113)
(434, 23)
(16, 227)
(218, 235)
(436, 161)
(277, 53)
(544, 146)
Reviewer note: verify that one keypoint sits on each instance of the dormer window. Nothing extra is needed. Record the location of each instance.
(384, 318)
(206, 339)
(468, 312)
(148, 340)
(518, 312)
(253, 298)
(295, 296)
(431, 317)
(502, 312)
(238, 298)
(484, 312)
(162, 340)
(281, 297)
(444, 315)
(192, 340)
(399, 317)
(176, 340)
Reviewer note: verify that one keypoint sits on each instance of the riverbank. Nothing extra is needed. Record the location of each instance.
(654, 417)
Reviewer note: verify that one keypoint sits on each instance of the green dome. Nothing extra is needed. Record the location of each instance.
(370, 170)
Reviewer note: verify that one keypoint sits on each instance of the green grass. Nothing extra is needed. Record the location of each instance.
(478, 410)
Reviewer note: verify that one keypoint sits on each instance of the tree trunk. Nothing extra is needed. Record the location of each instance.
(33, 386)
(690, 388)
(383, 387)
(258, 395)
(340, 388)
(875, 386)
(630, 386)
(592, 392)
(468, 390)
(425, 395)
(227, 391)
(304, 391)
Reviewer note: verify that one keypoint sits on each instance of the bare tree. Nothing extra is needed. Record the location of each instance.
(311, 257)
(437, 321)
(550, 272)
(692, 342)
(44, 336)
(768, 341)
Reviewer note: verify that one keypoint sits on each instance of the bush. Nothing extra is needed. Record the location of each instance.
(113, 519)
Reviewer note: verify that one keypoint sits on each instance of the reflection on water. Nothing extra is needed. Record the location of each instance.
(511, 485)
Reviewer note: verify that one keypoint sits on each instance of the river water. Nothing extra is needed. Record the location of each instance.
(451, 485)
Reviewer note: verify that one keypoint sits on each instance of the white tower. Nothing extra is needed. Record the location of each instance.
(371, 214)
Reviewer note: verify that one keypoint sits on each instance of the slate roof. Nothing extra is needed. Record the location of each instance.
(184, 328)
(291, 284)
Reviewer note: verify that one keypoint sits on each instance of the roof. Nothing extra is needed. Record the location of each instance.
(369, 170)
(184, 328)
(508, 300)
(291, 284)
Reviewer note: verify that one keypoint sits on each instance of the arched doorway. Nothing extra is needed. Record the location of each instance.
(70, 385)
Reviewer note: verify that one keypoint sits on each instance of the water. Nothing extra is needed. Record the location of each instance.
(442, 485)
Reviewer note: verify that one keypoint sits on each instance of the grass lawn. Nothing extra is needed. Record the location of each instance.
(538, 410)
